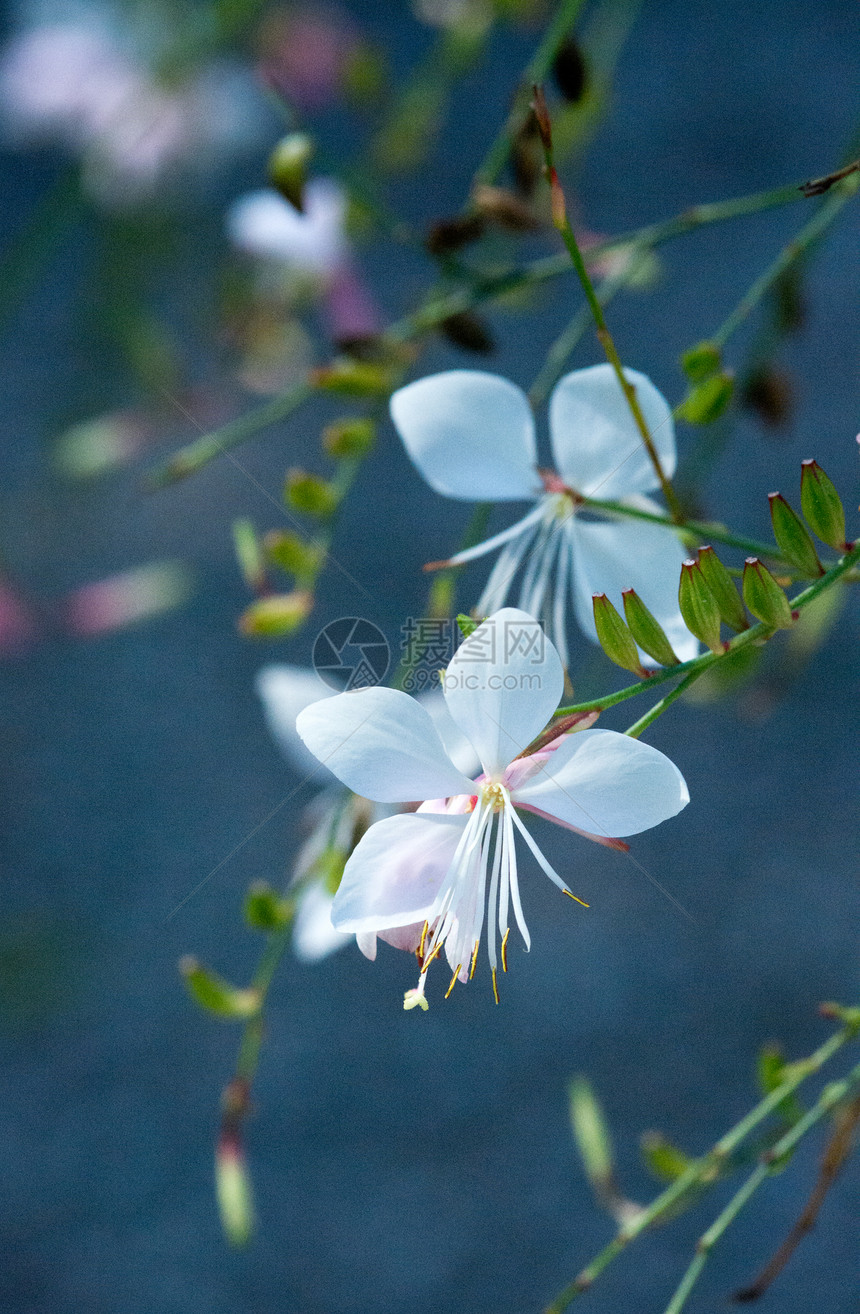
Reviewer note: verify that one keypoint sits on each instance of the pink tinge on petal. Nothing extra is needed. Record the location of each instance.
(403, 937)
(605, 840)
(124, 599)
(18, 629)
(350, 308)
(457, 804)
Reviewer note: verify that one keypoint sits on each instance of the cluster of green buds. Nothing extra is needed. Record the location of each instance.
(711, 386)
(621, 637)
(275, 614)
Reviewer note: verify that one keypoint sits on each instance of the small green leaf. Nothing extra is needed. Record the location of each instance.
(662, 1158)
(708, 400)
(467, 625)
(276, 616)
(350, 438)
(266, 910)
(701, 361)
(310, 494)
(233, 1192)
(249, 554)
(591, 1135)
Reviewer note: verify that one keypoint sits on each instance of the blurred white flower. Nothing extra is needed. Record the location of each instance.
(264, 225)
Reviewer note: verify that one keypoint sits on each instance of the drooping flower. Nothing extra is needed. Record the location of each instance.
(472, 436)
(437, 870)
(335, 819)
(312, 245)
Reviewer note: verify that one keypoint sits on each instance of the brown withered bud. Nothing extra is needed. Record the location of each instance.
(768, 392)
(502, 207)
(542, 119)
(468, 331)
(527, 157)
(570, 71)
(451, 234)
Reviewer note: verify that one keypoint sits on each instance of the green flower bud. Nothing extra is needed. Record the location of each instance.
(233, 1190)
(592, 1138)
(724, 589)
(347, 377)
(663, 1159)
(614, 637)
(647, 632)
(266, 910)
(249, 554)
(793, 537)
(707, 400)
(349, 438)
(277, 615)
(215, 994)
(293, 554)
(701, 361)
(288, 167)
(764, 597)
(822, 505)
(310, 494)
(698, 606)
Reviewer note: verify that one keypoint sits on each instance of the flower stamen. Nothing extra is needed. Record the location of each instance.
(505, 950)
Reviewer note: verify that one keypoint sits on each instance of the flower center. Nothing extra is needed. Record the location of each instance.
(493, 795)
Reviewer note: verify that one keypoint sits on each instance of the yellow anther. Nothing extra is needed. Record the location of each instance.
(505, 950)
(474, 960)
(495, 986)
(423, 941)
(575, 900)
(453, 979)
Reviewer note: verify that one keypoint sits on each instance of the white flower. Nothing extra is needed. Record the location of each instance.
(438, 868)
(264, 225)
(472, 436)
(335, 818)
(73, 82)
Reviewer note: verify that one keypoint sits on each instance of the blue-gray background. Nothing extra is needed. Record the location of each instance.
(406, 1161)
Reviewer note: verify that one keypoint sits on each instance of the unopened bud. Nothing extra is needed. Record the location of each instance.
(349, 439)
(276, 616)
(822, 505)
(451, 234)
(570, 71)
(767, 392)
(708, 400)
(793, 537)
(505, 209)
(724, 589)
(662, 1158)
(541, 113)
(468, 331)
(215, 994)
(526, 160)
(348, 377)
(249, 554)
(233, 1189)
(292, 554)
(648, 633)
(288, 167)
(266, 910)
(701, 361)
(698, 606)
(310, 494)
(764, 597)
(557, 205)
(613, 635)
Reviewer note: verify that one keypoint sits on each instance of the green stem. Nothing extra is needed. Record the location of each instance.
(638, 727)
(703, 1170)
(699, 664)
(704, 529)
(833, 1094)
(563, 226)
(808, 234)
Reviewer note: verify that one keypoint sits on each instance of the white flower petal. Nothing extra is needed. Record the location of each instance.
(607, 783)
(314, 937)
(455, 743)
(613, 555)
(471, 435)
(503, 685)
(285, 691)
(382, 744)
(265, 225)
(597, 447)
(394, 874)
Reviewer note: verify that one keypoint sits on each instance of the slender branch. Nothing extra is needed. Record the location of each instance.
(836, 1153)
(638, 727)
(753, 635)
(807, 236)
(563, 226)
(703, 528)
(704, 1170)
(830, 1097)
(535, 71)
